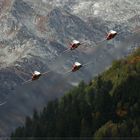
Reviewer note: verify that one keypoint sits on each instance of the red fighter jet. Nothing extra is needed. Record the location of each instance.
(76, 66)
(111, 35)
(36, 75)
(75, 44)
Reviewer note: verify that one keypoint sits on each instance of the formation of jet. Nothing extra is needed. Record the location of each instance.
(77, 65)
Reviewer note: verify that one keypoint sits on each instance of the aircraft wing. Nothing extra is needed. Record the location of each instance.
(26, 82)
(3, 103)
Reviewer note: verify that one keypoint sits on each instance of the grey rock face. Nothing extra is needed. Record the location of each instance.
(33, 33)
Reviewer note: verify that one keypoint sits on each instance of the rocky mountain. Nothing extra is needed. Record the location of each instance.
(34, 33)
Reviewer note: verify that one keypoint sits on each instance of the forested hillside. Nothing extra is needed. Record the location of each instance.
(109, 106)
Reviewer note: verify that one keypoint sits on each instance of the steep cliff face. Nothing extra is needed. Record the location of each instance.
(33, 33)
